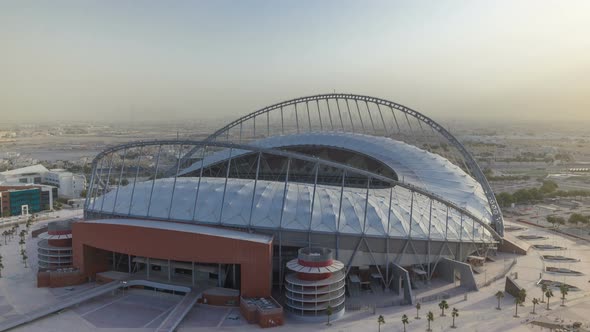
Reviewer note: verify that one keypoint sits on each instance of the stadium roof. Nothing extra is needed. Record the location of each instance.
(265, 208)
(413, 165)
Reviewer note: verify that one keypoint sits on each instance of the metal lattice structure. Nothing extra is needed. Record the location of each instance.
(358, 114)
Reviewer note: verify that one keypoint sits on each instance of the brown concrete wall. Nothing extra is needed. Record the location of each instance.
(248, 312)
(264, 319)
(255, 258)
(63, 280)
(5, 202)
(270, 320)
(221, 300)
(57, 279)
(94, 260)
(60, 242)
(43, 279)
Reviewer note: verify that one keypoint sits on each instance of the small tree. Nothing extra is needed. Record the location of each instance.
(522, 296)
(329, 313)
(455, 314)
(543, 291)
(443, 305)
(1, 266)
(535, 302)
(430, 318)
(499, 296)
(563, 289)
(405, 321)
(380, 320)
(418, 306)
(548, 295)
(25, 257)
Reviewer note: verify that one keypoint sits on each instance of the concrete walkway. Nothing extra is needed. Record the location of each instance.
(177, 314)
(91, 293)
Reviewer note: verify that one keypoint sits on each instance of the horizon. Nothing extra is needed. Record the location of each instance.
(523, 61)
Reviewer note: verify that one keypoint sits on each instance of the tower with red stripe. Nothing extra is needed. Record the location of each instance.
(315, 283)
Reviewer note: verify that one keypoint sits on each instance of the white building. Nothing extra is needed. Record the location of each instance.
(69, 185)
(24, 175)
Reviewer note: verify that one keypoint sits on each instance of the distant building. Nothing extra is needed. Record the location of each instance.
(68, 184)
(17, 200)
(24, 175)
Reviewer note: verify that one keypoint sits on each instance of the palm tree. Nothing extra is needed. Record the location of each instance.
(548, 295)
(535, 302)
(517, 301)
(543, 290)
(21, 242)
(443, 305)
(405, 321)
(418, 306)
(430, 318)
(563, 289)
(455, 314)
(329, 312)
(499, 296)
(380, 321)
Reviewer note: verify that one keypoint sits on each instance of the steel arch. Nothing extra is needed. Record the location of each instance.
(471, 164)
(287, 154)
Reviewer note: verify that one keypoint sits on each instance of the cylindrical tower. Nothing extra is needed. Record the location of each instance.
(316, 284)
(54, 250)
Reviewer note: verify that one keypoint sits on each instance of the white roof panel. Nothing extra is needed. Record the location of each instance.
(381, 218)
(413, 165)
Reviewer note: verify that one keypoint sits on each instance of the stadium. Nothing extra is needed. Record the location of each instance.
(389, 192)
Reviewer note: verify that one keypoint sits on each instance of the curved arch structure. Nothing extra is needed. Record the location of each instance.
(124, 200)
(358, 114)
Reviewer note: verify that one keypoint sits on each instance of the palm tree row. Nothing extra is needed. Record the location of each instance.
(519, 300)
(9, 234)
(23, 249)
(429, 316)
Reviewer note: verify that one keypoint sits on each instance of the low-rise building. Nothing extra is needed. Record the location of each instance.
(25, 175)
(69, 185)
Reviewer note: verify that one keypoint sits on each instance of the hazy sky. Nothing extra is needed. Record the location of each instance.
(174, 60)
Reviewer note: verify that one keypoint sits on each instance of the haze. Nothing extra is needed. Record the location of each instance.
(175, 60)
